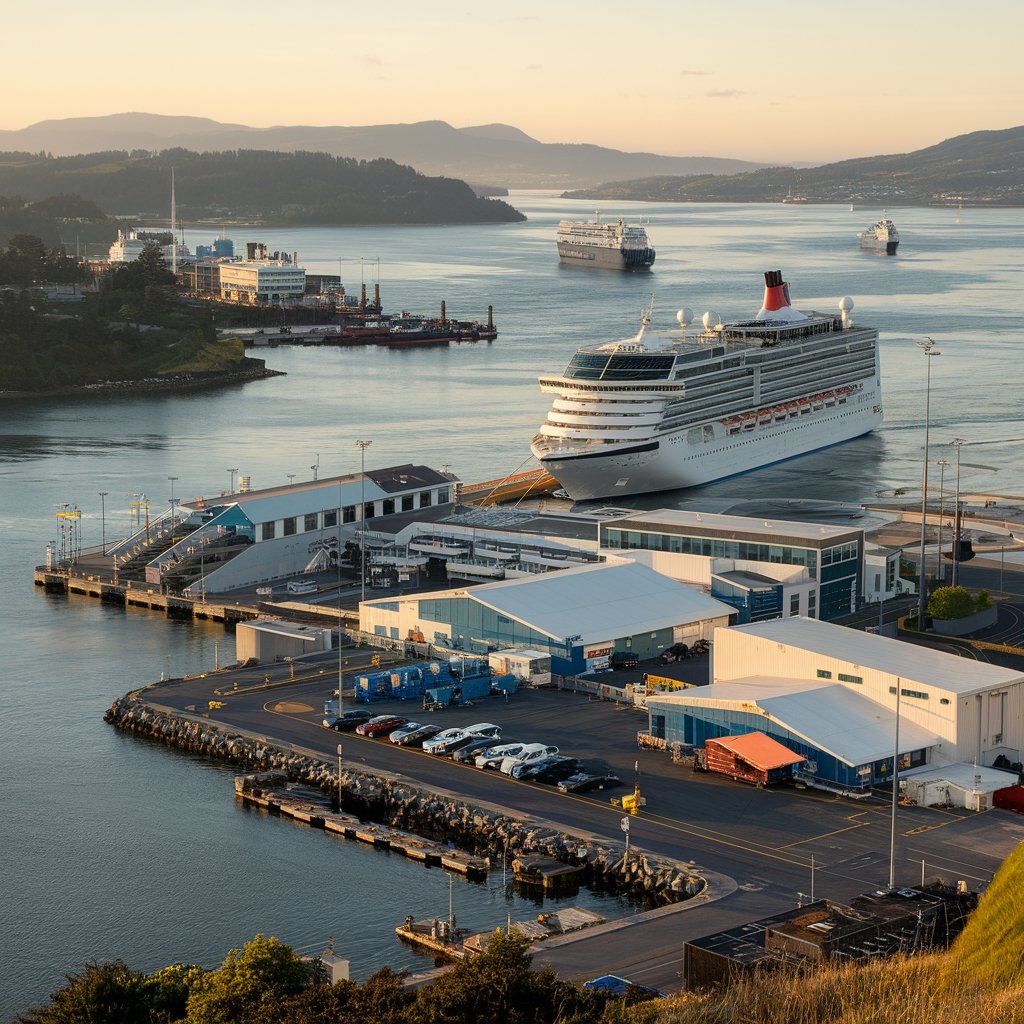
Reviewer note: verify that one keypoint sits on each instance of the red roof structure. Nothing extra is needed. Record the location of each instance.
(760, 750)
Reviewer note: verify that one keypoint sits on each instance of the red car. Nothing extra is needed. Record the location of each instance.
(380, 726)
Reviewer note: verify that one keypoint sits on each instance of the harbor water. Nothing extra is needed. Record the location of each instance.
(117, 848)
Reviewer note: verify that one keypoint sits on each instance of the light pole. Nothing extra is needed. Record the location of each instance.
(957, 442)
(231, 480)
(172, 479)
(940, 574)
(339, 777)
(362, 446)
(291, 479)
(895, 790)
(928, 347)
(103, 520)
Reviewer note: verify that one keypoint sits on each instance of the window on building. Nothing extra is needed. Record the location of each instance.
(878, 582)
(267, 531)
(348, 514)
(408, 502)
(919, 694)
(824, 673)
(844, 678)
(444, 495)
(311, 522)
(388, 507)
(812, 605)
(331, 518)
(794, 604)
(289, 526)
(424, 499)
(368, 510)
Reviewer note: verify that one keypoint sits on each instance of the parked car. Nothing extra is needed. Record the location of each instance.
(417, 737)
(396, 734)
(491, 757)
(550, 770)
(439, 743)
(530, 753)
(674, 653)
(585, 782)
(380, 725)
(485, 729)
(348, 720)
(466, 754)
(624, 659)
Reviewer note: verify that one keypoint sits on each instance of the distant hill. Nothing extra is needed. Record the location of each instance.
(252, 187)
(493, 154)
(982, 168)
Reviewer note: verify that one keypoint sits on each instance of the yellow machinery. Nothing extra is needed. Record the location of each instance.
(632, 802)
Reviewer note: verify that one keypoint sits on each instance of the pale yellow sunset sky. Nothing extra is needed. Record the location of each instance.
(795, 81)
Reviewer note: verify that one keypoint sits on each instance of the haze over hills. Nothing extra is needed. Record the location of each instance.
(980, 168)
(492, 154)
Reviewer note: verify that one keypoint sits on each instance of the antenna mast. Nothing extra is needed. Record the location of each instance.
(174, 231)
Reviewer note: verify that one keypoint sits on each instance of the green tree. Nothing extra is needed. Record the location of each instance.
(950, 603)
(249, 985)
(109, 993)
(983, 601)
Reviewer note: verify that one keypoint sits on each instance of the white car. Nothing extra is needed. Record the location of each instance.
(493, 756)
(484, 729)
(530, 753)
(439, 744)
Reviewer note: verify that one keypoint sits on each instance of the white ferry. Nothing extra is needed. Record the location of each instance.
(660, 412)
(882, 236)
(618, 246)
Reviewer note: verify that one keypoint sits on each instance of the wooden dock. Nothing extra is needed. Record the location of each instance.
(141, 595)
(305, 808)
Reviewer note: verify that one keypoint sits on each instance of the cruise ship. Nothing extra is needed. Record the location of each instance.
(659, 412)
(882, 236)
(618, 246)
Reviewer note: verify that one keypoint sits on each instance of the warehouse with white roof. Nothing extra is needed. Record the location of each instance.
(580, 616)
(832, 694)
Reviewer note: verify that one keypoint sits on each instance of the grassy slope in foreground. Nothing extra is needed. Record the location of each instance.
(980, 981)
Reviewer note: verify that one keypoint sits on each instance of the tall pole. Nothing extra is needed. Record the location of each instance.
(339, 777)
(231, 480)
(957, 442)
(362, 446)
(940, 573)
(102, 520)
(929, 349)
(895, 790)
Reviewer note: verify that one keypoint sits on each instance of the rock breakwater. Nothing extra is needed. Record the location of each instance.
(481, 831)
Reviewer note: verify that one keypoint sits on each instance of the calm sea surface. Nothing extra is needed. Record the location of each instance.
(115, 848)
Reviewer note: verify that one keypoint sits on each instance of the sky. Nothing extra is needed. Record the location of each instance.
(789, 82)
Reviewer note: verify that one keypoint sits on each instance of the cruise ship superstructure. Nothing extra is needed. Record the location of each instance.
(658, 412)
(618, 246)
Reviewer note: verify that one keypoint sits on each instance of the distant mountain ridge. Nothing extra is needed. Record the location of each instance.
(492, 154)
(980, 168)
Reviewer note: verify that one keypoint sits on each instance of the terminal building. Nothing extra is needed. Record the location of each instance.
(579, 616)
(764, 568)
(832, 695)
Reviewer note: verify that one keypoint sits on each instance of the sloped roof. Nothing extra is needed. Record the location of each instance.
(599, 602)
(900, 658)
(828, 716)
(760, 750)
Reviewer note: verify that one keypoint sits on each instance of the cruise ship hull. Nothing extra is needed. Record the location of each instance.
(603, 256)
(673, 461)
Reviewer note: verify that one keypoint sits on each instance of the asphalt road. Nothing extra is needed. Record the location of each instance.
(757, 845)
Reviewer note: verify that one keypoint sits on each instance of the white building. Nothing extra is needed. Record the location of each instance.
(256, 281)
(833, 693)
(579, 616)
(128, 248)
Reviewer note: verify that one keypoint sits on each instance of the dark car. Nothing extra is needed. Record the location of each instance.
(584, 782)
(348, 720)
(624, 659)
(416, 737)
(674, 653)
(381, 725)
(467, 754)
(553, 770)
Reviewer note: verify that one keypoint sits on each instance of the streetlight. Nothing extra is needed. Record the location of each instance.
(895, 790)
(957, 442)
(103, 520)
(172, 479)
(291, 479)
(362, 446)
(231, 480)
(928, 347)
(941, 571)
(339, 770)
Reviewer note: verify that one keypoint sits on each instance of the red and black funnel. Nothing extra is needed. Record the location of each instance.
(776, 291)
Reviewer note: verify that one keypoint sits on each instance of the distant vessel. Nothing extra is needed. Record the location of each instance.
(655, 414)
(790, 198)
(618, 246)
(882, 236)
